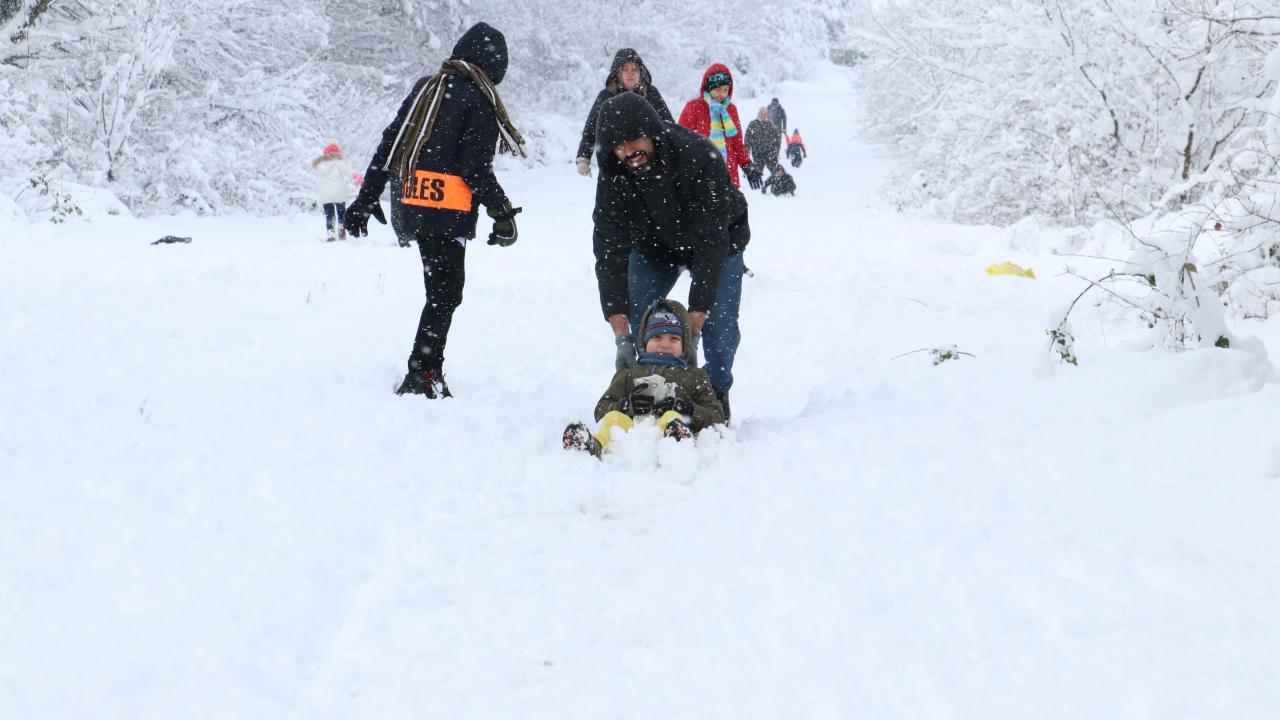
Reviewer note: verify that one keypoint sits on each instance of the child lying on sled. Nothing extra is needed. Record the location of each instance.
(665, 383)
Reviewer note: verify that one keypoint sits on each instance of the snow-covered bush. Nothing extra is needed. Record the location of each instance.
(1076, 111)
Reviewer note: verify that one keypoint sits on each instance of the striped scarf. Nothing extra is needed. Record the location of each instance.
(418, 123)
(722, 126)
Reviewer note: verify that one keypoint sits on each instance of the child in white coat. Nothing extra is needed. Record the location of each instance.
(332, 172)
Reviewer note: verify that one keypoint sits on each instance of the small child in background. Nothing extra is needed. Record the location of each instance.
(780, 183)
(665, 383)
(795, 149)
(332, 172)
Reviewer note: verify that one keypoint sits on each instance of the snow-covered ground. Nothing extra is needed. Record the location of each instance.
(213, 506)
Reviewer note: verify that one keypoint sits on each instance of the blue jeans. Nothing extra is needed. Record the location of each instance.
(649, 279)
(332, 209)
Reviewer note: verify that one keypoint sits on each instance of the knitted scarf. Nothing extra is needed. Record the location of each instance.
(721, 122)
(648, 358)
(418, 123)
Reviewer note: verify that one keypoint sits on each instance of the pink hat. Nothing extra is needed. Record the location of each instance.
(332, 149)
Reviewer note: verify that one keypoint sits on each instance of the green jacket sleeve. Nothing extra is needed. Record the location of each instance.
(707, 410)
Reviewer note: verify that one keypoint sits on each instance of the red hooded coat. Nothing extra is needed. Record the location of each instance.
(697, 117)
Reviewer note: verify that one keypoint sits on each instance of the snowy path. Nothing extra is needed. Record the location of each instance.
(211, 505)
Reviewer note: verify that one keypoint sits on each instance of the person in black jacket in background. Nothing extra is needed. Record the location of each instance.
(439, 149)
(664, 204)
(763, 140)
(627, 74)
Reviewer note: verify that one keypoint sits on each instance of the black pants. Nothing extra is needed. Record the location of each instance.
(443, 274)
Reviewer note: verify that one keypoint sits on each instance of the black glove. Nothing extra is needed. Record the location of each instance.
(682, 406)
(356, 219)
(639, 404)
(754, 173)
(504, 223)
(626, 352)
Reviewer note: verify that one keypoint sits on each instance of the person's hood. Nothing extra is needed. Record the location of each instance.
(625, 117)
(715, 68)
(485, 47)
(624, 56)
(675, 307)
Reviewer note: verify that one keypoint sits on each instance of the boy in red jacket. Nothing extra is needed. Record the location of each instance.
(714, 116)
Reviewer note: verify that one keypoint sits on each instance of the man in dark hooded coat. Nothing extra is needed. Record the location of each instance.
(628, 73)
(439, 150)
(763, 140)
(664, 204)
(777, 115)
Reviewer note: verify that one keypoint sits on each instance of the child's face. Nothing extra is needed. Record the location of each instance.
(668, 343)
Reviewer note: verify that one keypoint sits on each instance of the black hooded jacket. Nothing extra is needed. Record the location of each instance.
(462, 143)
(762, 142)
(611, 88)
(681, 211)
(777, 115)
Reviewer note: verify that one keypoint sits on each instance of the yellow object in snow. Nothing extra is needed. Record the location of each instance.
(616, 418)
(1008, 268)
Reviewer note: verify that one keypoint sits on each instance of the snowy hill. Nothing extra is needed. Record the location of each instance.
(212, 505)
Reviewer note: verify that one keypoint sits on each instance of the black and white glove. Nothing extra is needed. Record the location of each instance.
(696, 342)
(504, 223)
(626, 352)
(639, 403)
(356, 219)
(754, 173)
(584, 166)
(680, 405)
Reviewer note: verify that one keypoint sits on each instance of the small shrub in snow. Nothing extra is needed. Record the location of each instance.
(59, 204)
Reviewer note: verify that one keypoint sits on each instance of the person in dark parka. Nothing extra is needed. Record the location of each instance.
(664, 204)
(777, 115)
(762, 141)
(628, 73)
(439, 152)
(780, 183)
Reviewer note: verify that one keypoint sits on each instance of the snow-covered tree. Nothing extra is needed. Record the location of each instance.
(1076, 111)
(220, 104)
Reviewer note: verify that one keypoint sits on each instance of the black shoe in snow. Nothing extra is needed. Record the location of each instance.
(428, 383)
(578, 437)
(678, 429)
(723, 399)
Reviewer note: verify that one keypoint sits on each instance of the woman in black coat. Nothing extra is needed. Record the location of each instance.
(437, 156)
(627, 74)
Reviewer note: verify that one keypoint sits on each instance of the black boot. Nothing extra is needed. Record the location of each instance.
(578, 437)
(678, 429)
(428, 383)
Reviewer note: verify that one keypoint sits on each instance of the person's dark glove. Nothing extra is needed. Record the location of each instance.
(680, 405)
(626, 352)
(504, 223)
(640, 403)
(356, 219)
(754, 173)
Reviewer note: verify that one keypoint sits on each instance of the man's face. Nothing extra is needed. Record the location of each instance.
(629, 74)
(763, 114)
(637, 154)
